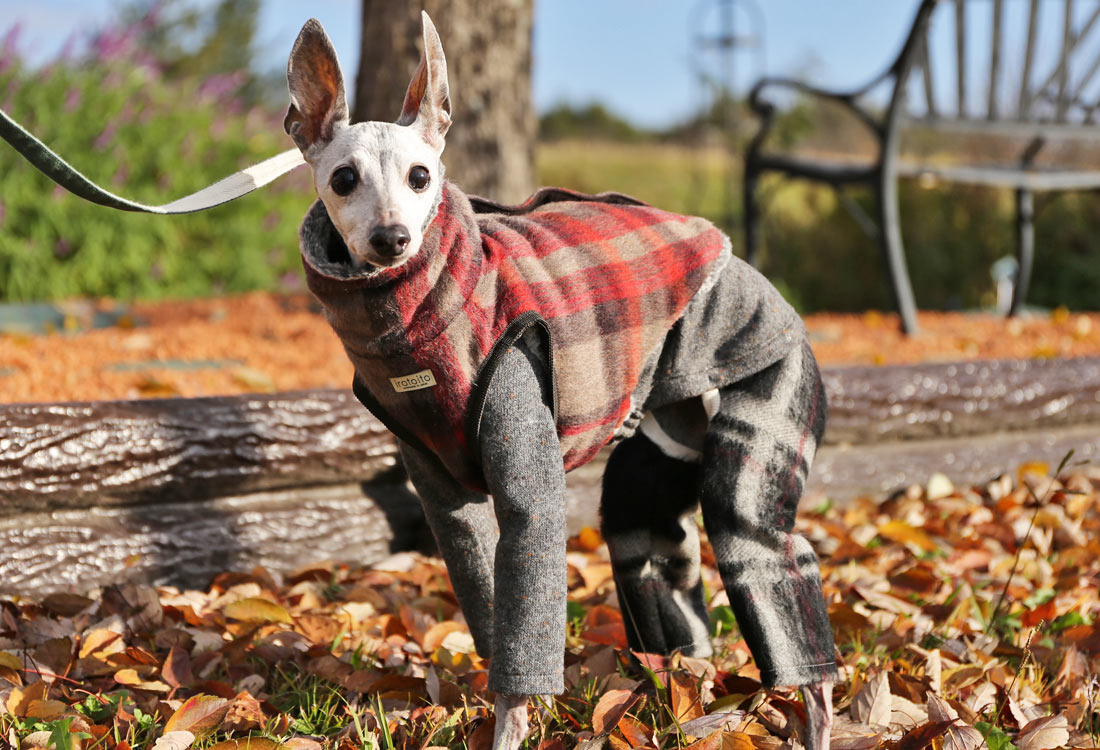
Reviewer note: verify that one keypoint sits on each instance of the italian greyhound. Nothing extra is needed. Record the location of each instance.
(506, 345)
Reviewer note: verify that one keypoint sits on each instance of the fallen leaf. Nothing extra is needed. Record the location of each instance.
(899, 531)
(684, 697)
(611, 707)
(437, 634)
(180, 739)
(709, 723)
(130, 678)
(872, 704)
(256, 609)
(922, 736)
(177, 668)
(1044, 734)
(20, 699)
(199, 714)
(304, 743)
(244, 714)
(66, 605)
(249, 743)
(46, 710)
(40, 739)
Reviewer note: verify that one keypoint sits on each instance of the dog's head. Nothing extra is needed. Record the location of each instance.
(379, 181)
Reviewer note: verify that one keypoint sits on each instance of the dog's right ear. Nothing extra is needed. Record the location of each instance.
(316, 86)
(428, 100)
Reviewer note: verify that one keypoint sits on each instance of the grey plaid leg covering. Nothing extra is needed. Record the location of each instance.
(462, 523)
(647, 519)
(756, 455)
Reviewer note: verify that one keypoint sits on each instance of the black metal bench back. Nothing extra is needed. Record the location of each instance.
(1002, 61)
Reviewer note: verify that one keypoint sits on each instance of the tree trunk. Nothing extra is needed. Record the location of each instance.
(490, 147)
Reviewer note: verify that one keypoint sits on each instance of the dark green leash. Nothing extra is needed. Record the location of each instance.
(65, 175)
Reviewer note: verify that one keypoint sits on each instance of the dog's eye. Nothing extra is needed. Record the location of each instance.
(344, 180)
(419, 178)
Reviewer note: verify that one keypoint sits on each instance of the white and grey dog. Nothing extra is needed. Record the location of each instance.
(723, 407)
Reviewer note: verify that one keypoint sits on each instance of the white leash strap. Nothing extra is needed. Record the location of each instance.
(223, 191)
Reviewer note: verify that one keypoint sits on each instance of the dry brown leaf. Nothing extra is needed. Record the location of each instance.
(872, 704)
(305, 743)
(131, 678)
(256, 609)
(101, 642)
(612, 707)
(899, 531)
(46, 710)
(200, 714)
(177, 668)
(437, 634)
(249, 743)
(851, 735)
(636, 733)
(923, 735)
(684, 697)
(19, 700)
(1044, 734)
(180, 739)
(244, 713)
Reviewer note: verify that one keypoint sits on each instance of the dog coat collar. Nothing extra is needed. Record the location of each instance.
(602, 278)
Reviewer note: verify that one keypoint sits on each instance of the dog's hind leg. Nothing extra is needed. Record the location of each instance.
(756, 455)
(648, 520)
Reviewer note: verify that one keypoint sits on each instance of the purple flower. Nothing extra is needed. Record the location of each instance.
(113, 44)
(290, 282)
(62, 249)
(9, 47)
(103, 140)
(73, 99)
(223, 87)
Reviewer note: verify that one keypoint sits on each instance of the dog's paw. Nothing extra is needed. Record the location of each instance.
(511, 721)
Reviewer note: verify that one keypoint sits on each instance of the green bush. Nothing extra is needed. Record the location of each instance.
(151, 139)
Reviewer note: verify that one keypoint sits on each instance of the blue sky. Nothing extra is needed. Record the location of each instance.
(636, 56)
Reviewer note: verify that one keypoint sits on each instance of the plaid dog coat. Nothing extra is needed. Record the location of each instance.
(604, 278)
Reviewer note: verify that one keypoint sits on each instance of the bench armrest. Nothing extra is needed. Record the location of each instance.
(766, 110)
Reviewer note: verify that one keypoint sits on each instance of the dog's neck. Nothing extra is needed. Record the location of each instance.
(392, 309)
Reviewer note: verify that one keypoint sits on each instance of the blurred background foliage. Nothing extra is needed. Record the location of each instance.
(170, 99)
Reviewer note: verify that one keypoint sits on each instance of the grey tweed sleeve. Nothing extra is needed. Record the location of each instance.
(524, 472)
(461, 521)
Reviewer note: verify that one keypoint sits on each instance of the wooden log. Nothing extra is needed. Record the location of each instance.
(875, 404)
(55, 456)
(187, 543)
(59, 456)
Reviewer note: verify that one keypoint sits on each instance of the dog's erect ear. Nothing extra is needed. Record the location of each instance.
(317, 100)
(428, 100)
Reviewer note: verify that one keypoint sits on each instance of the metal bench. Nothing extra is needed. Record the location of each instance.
(1027, 96)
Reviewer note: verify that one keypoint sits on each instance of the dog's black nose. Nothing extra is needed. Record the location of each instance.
(391, 240)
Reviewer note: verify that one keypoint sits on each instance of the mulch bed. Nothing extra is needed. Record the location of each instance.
(262, 342)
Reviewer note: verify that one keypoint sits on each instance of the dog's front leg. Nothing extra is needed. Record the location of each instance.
(462, 524)
(521, 458)
(818, 699)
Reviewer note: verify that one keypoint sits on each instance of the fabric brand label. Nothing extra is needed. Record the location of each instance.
(414, 382)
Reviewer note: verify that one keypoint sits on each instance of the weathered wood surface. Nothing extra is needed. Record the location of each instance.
(187, 543)
(178, 490)
(57, 456)
(913, 402)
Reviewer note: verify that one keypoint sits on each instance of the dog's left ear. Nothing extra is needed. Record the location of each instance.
(316, 86)
(428, 100)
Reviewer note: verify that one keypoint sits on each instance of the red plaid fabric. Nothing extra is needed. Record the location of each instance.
(606, 275)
